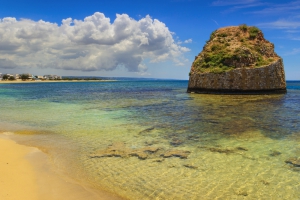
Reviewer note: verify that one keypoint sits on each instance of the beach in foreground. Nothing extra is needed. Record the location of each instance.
(26, 173)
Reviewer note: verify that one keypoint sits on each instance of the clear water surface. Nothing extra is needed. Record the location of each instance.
(149, 139)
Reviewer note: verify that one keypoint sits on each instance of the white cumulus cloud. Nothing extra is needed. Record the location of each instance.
(92, 44)
(188, 41)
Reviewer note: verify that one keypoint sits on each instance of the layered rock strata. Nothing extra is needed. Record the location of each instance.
(262, 80)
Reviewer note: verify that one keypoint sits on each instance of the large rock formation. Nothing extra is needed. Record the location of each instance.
(237, 60)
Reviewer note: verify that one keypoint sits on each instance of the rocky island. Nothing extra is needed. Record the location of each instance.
(237, 60)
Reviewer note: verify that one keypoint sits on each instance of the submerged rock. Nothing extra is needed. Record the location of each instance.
(143, 153)
(265, 182)
(176, 142)
(159, 160)
(240, 60)
(294, 161)
(146, 130)
(151, 149)
(242, 193)
(193, 137)
(150, 143)
(242, 148)
(224, 150)
(176, 153)
(119, 149)
(190, 166)
(220, 150)
(140, 154)
(275, 153)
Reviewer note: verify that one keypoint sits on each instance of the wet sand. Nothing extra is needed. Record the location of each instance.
(26, 173)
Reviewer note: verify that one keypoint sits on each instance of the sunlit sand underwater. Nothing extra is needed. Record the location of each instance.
(152, 140)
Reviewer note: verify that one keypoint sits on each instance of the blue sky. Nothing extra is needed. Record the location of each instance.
(157, 38)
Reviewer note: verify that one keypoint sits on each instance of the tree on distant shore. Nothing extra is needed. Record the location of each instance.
(11, 78)
(5, 77)
(24, 77)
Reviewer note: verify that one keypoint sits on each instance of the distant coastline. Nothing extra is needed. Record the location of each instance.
(29, 78)
(52, 81)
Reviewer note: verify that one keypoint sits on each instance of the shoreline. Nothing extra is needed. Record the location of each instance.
(27, 173)
(54, 81)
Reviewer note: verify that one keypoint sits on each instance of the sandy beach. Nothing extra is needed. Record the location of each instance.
(27, 174)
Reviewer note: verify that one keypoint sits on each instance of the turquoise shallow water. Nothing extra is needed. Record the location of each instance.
(149, 139)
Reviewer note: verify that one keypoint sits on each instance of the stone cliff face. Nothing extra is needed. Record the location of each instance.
(237, 60)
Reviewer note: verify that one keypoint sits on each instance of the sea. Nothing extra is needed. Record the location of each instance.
(150, 139)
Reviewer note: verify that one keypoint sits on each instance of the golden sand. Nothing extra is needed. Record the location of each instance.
(18, 180)
(27, 174)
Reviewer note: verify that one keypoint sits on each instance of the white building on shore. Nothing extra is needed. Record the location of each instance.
(52, 77)
(30, 77)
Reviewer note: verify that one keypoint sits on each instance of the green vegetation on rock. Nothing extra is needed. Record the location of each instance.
(253, 31)
(243, 27)
(234, 47)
